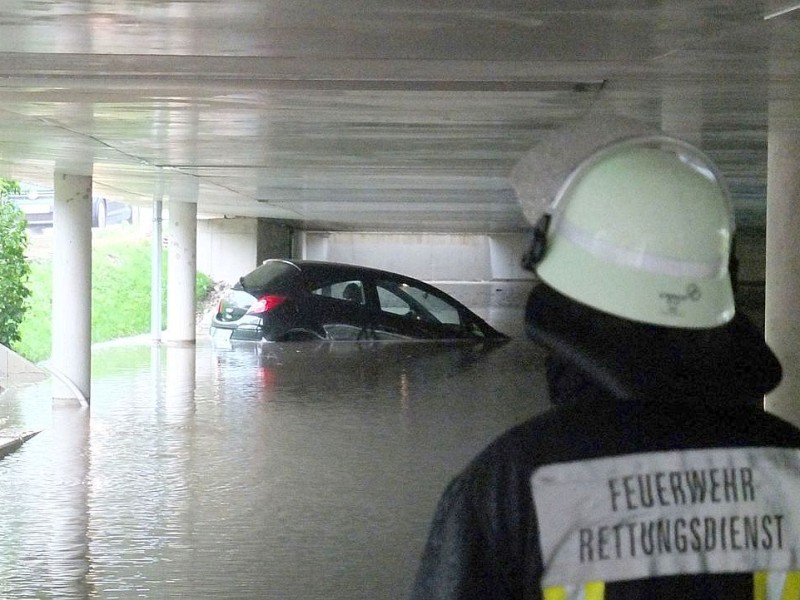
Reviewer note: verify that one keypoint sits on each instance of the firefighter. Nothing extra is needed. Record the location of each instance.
(656, 473)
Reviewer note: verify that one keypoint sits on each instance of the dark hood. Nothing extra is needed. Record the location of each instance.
(629, 360)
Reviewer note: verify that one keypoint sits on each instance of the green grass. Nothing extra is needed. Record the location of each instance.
(120, 291)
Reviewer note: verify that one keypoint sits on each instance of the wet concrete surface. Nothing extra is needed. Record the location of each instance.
(277, 471)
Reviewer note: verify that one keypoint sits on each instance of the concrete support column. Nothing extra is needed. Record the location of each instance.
(155, 267)
(72, 287)
(783, 268)
(182, 272)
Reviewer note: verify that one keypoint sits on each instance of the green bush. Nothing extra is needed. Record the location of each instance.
(121, 270)
(8, 186)
(14, 268)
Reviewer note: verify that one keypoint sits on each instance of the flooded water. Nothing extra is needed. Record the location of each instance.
(276, 471)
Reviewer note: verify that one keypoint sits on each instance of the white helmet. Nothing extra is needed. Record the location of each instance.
(642, 229)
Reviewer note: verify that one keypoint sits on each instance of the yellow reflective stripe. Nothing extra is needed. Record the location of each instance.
(791, 587)
(760, 585)
(592, 590)
(555, 593)
(595, 590)
(777, 585)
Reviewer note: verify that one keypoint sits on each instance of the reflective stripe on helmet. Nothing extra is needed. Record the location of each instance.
(626, 257)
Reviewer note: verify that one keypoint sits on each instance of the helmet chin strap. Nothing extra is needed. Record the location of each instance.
(538, 246)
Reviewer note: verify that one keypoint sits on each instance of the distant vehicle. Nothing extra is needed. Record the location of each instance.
(37, 205)
(292, 300)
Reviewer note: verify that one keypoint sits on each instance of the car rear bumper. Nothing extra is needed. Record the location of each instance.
(242, 332)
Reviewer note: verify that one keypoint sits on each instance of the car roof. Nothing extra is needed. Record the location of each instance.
(305, 265)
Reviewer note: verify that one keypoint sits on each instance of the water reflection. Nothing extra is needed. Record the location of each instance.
(316, 372)
(68, 551)
(260, 471)
(178, 399)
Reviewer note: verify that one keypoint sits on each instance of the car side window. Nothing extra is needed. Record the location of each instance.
(392, 303)
(412, 302)
(351, 291)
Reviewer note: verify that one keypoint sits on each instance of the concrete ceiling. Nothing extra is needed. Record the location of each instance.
(377, 114)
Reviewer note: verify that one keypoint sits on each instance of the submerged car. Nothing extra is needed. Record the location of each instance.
(292, 300)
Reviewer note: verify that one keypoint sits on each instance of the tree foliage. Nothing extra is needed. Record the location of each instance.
(8, 186)
(14, 268)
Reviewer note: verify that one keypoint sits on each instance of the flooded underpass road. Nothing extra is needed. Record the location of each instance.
(277, 471)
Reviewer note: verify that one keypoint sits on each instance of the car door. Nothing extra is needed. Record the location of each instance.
(339, 305)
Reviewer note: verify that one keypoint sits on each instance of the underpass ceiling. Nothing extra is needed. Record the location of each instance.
(367, 114)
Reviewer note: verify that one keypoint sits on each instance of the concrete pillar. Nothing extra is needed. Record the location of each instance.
(72, 287)
(782, 325)
(155, 265)
(273, 240)
(182, 271)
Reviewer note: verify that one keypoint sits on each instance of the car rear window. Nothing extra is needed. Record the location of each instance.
(271, 276)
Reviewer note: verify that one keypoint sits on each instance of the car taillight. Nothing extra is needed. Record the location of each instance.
(265, 304)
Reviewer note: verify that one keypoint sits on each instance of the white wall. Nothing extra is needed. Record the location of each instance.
(429, 256)
(226, 248)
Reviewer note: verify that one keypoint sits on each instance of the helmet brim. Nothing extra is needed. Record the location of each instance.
(634, 360)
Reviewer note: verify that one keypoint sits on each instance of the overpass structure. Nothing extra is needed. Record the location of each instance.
(364, 124)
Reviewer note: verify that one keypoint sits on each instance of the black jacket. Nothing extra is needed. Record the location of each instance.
(657, 472)
(484, 540)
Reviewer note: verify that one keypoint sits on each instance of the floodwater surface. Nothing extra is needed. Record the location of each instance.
(276, 471)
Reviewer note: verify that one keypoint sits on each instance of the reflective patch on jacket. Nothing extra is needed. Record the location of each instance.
(658, 514)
